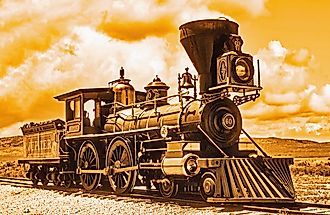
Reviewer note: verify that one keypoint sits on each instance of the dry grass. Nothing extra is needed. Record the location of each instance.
(11, 148)
(293, 148)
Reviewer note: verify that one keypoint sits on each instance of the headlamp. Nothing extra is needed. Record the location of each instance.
(243, 69)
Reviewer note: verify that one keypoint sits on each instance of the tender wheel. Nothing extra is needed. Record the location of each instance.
(207, 185)
(42, 176)
(34, 179)
(119, 155)
(54, 177)
(89, 159)
(35, 182)
(33, 175)
(44, 182)
(68, 183)
(168, 188)
(57, 183)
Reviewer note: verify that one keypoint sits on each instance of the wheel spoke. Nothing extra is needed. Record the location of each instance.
(111, 162)
(119, 152)
(87, 154)
(91, 155)
(93, 159)
(126, 173)
(121, 180)
(113, 155)
(123, 157)
(92, 178)
(116, 180)
(83, 158)
(125, 179)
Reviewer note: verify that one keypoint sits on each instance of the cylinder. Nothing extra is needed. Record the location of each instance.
(185, 166)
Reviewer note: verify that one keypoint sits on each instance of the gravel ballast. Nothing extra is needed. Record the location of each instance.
(16, 200)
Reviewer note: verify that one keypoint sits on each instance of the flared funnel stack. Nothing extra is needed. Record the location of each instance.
(203, 41)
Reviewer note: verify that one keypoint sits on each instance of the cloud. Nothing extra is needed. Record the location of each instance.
(85, 58)
(50, 47)
(11, 130)
(285, 76)
(239, 8)
(320, 103)
(290, 98)
(55, 46)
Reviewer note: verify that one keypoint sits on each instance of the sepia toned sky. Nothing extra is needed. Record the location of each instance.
(50, 47)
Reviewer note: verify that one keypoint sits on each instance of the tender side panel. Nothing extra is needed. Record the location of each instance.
(41, 145)
(41, 141)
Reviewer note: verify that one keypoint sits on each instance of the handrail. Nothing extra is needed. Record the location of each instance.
(149, 101)
(255, 144)
(211, 141)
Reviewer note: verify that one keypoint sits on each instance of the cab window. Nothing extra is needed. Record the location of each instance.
(73, 109)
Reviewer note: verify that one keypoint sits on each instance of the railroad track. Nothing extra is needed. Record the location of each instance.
(152, 196)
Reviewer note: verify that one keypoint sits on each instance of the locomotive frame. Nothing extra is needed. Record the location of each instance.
(188, 146)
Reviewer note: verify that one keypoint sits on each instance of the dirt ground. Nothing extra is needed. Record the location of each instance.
(310, 172)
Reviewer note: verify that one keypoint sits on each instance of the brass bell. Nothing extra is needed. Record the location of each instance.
(186, 82)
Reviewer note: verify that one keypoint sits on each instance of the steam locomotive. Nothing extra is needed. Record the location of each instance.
(191, 145)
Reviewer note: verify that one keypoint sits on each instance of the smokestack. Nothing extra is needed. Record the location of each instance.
(203, 41)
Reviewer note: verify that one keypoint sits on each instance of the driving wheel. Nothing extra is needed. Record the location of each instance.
(119, 155)
(89, 160)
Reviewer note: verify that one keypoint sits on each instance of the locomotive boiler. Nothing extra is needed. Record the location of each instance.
(175, 143)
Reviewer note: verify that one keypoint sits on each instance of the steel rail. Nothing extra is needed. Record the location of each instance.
(192, 200)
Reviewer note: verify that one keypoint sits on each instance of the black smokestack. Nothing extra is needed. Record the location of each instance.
(203, 41)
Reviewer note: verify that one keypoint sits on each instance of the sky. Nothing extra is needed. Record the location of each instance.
(51, 47)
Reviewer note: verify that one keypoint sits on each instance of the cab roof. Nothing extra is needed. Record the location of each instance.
(102, 92)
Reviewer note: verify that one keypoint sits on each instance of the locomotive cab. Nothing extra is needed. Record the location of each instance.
(85, 110)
